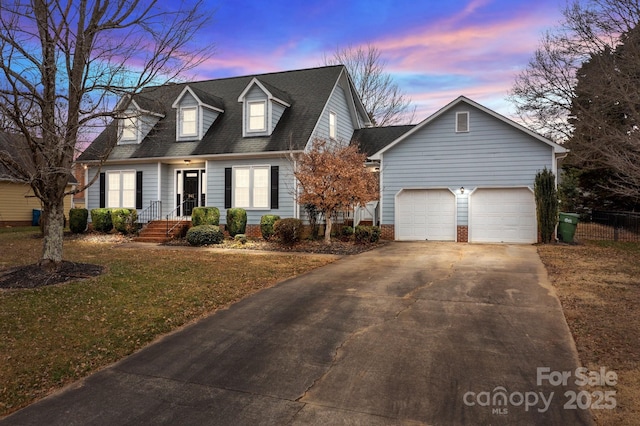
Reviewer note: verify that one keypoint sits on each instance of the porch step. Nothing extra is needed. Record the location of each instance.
(366, 223)
(156, 231)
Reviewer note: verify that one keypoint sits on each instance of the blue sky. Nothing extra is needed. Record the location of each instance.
(435, 50)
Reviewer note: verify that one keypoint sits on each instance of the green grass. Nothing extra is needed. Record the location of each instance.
(53, 335)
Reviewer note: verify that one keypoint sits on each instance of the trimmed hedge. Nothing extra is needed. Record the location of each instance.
(78, 220)
(236, 221)
(124, 220)
(204, 235)
(367, 234)
(288, 231)
(101, 220)
(205, 216)
(266, 225)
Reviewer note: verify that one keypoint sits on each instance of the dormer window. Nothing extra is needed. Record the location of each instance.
(262, 107)
(188, 121)
(257, 116)
(196, 111)
(129, 130)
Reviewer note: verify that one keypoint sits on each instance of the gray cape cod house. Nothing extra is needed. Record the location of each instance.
(225, 143)
(463, 174)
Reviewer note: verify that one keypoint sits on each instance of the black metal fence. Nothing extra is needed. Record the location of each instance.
(609, 226)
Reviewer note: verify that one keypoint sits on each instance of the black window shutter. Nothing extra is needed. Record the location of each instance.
(274, 187)
(227, 187)
(103, 192)
(139, 190)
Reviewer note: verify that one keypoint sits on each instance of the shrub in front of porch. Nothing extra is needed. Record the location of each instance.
(205, 216)
(101, 220)
(124, 220)
(266, 225)
(202, 235)
(236, 221)
(288, 231)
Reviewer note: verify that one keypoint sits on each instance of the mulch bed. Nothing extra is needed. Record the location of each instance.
(32, 276)
(337, 247)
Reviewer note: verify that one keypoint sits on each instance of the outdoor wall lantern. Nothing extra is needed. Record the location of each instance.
(187, 162)
(462, 189)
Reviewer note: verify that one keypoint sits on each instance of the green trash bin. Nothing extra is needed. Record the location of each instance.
(567, 226)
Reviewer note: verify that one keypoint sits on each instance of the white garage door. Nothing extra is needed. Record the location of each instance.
(502, 216)
(425, 214)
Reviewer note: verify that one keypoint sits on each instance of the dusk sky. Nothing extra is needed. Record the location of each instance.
(435, 50)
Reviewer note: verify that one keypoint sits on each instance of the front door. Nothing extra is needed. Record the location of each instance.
(190, 191)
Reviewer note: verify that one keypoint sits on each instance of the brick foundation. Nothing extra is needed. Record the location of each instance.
(253, 231)
(463, 234)
(387, 232)
(12, 223)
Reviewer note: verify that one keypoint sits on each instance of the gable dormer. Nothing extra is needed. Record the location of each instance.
(262, 107)
(137, 119)
(196, 111)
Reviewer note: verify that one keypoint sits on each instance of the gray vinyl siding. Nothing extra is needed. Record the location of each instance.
(276, 112)
(208, 117)
(167, 183)
(491, 154)
(462, 206)
(286, 200)
(345, 125)
(146, 123)
(149, 183)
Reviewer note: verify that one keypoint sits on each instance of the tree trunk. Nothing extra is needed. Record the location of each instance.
(327, 229)
(53, 220)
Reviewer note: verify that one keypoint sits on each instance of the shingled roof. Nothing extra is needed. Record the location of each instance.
(373, 139)
(306, 90)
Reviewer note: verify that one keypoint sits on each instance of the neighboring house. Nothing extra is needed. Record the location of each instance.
(225, 143)
(17, 201)
(463, 174)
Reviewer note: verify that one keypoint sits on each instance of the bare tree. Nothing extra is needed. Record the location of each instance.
(63, 64)
(333, 178)
(383, 100)
(581, 88)
(605, 144)
(543, 92)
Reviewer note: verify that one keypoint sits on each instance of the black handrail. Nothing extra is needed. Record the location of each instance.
(173, 214)
(153, 212)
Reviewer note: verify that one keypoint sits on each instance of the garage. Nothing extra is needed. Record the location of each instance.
(425, 214)
(502, 215)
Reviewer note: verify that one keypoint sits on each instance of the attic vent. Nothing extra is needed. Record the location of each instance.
(462, 122)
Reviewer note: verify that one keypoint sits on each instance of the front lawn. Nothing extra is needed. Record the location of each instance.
(53, 335)
(598, 284)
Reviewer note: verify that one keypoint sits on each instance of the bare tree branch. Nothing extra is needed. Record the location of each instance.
(63, 65)
(382, 98)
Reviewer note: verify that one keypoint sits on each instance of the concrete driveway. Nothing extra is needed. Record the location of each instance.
(411, 333)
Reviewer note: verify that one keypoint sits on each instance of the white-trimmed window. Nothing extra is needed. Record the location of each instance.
(129, 129)
(462, 122)
(188, 121)
(121, 189)
(251, 187)
(333, 125)
(257, 116)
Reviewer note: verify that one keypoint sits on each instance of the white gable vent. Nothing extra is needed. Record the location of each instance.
(462, 122)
